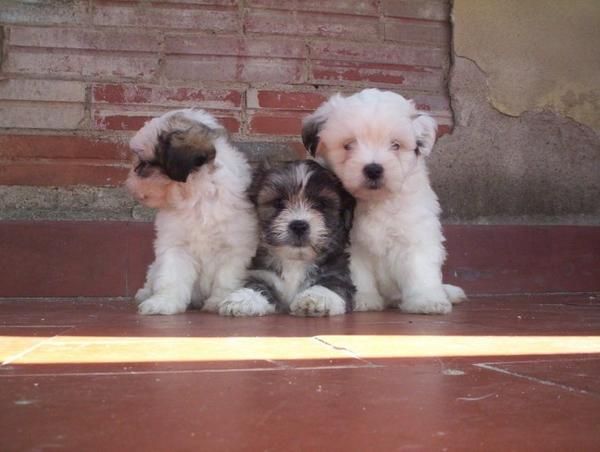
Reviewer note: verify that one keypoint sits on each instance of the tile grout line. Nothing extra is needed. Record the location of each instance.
(187, 371)
(35, 326)
(535, 380)
(278, 364)
(22, 353)
(528, 361)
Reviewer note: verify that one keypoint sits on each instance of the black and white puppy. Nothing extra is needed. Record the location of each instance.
(302, 263)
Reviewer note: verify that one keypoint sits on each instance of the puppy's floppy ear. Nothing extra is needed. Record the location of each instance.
(311, 126)
(425, 129)
(182, 151)
(259, 175)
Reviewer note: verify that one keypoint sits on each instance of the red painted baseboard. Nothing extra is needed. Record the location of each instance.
(109, 259)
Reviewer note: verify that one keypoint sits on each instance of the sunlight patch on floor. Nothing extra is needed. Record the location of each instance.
(96, 349)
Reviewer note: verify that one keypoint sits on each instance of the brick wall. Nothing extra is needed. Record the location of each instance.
(78, 76)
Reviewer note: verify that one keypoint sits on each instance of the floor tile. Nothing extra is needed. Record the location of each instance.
(413, 406)
(579, 375)
(501, 373)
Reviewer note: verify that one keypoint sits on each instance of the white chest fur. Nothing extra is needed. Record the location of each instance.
(293, 274)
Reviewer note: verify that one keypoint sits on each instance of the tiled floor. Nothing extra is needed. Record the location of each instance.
(506, 373)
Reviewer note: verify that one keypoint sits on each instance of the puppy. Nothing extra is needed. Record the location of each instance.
(376, 142)
(206, 228)
(302, 265)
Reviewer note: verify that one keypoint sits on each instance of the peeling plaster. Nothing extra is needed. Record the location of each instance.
(536, 55)
(539, 167)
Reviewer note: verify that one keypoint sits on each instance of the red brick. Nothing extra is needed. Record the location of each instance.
(409, 77)
(378, 53)
(42, 90)
(99, 66)
(443, 129)
(406, 30)
(272, 70)
(403, 30)
(362, 7)
(84, 39)
(432, 102)
(289, 124)
(422, 9)
(156, 95)
(131, 121)
(232, 69)
(167, 16)
(119, 122)
(122, 94)
(41, 115)
(235, 46)
(312, 24)
(60, 147)
(197, 2)
(230, 123)
(62, 173)
(286, 100)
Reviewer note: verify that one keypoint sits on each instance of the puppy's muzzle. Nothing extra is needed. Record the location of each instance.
(374, 174)
(299, 230)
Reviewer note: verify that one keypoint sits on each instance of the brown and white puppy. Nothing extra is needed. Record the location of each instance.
(206, 228)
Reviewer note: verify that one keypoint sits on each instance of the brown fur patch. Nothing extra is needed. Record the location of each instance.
(184, 146)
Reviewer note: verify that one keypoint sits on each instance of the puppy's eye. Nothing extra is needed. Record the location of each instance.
(349, 146)
(323, 203)
(395, 146)
(278, 204)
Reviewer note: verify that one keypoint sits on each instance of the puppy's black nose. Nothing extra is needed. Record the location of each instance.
(373, 171)
(299, 227)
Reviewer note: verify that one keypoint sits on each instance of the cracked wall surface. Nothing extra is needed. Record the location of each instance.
(517, 154)
(536, 54)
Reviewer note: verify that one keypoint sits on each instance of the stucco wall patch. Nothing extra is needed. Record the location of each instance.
(538, 55)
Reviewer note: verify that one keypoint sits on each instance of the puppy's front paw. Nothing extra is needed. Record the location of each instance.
(143, 294)
(455, 294)
(246, 302)
(317, 301)
(158, 304)
(427, 303)
(368, 301)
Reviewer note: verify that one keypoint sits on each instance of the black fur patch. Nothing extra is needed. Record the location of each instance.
(310, 136)
(145, 169)
(182, 151)
(418, 148)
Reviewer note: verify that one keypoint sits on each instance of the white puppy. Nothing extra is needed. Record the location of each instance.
(376, 142)
(206, 228)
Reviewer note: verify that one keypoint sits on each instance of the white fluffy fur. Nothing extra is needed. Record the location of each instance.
(397, 244)
(206, 233)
